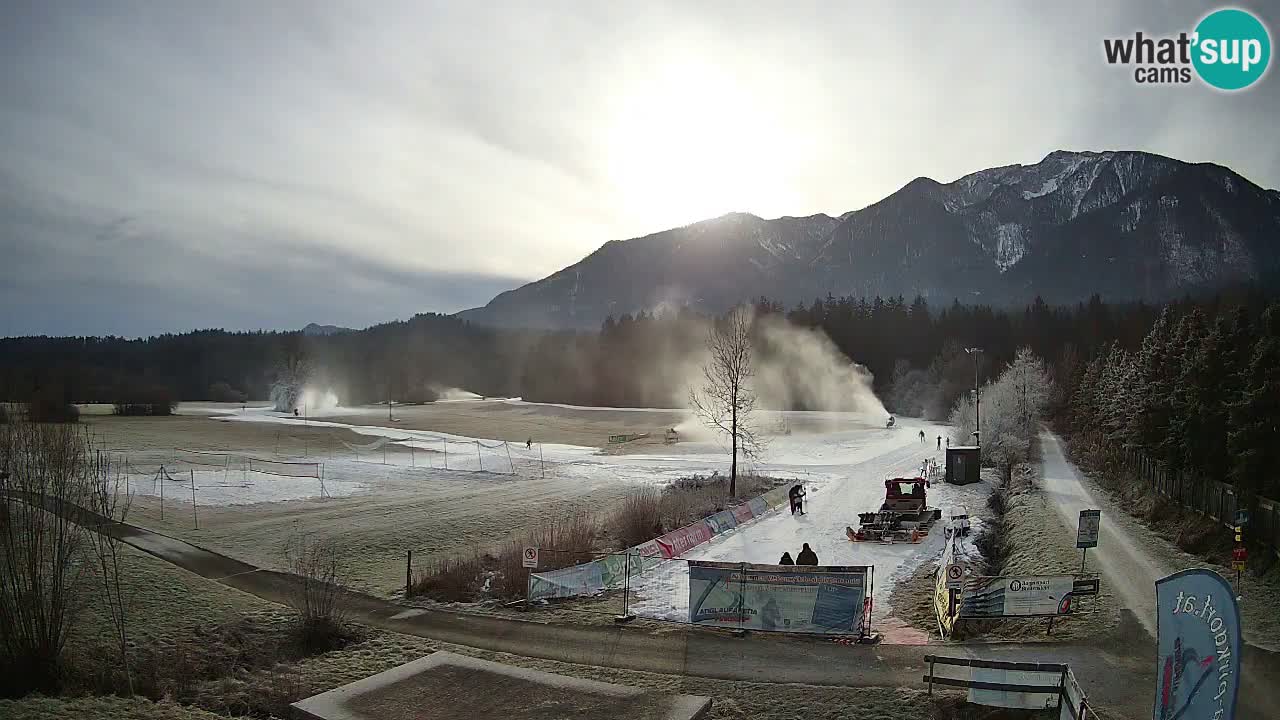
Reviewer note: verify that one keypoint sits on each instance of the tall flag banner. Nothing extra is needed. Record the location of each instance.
(1198, 647)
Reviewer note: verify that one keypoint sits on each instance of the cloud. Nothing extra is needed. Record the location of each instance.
(422, 155)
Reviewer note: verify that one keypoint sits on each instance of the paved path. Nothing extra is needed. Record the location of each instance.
(1128, 567)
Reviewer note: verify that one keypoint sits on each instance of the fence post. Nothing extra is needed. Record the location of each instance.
(194, 515)
(408, 574)
(478, 458)
(930, 674)
(542, 463)
(626, 615)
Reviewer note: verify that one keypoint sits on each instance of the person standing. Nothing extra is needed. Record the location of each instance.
(807, 556)
(786, 559)
(939, 442)
(796, 496)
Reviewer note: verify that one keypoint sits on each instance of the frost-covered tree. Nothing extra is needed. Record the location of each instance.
(1255, 418)
(1011, 410)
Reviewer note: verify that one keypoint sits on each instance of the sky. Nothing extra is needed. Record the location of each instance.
(167, 165)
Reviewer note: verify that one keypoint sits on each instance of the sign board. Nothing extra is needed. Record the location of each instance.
(1197, 647)
(955, 576)
(1237, 565)
(1087, 534)
(826, 600)
(1022, 596)
(1242, 517)
(1085, 586)
(530, 557)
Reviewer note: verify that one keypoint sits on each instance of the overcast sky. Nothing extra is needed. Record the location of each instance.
(168, 164)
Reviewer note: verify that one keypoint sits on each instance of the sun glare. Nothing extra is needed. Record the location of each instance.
(690, 142)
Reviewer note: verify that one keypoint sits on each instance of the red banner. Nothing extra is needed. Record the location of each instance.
(742, 513)
(678, 542)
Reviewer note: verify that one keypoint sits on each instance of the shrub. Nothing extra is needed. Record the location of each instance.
(317, 594)
(564, 542)
(639, 519)
(223, 392)
(49, 405)
(450, 579)
(149, 400)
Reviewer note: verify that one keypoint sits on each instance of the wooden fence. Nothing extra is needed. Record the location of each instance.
(1213, 499)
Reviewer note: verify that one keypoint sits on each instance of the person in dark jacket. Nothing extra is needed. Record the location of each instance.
(807, 556)
(786, 559)
(796, 496)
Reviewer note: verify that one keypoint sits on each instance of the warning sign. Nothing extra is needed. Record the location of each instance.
(531, 557)
(955, 576)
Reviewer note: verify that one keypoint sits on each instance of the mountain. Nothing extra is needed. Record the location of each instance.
(1125, 225)
(314, 329)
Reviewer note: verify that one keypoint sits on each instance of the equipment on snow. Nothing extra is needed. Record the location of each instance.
(904, 515)
(891, 422)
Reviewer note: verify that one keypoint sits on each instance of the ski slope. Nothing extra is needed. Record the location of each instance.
(847, 473)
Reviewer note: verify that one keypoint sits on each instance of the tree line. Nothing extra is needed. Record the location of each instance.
(915, 352)
(1200, 395)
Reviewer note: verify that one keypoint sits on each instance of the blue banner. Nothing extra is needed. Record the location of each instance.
(824, 600)
(1197, 647)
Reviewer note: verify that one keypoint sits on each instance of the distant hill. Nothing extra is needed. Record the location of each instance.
(315, 329)
(1125, 225)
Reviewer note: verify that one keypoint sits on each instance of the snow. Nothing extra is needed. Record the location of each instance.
(1049, 186)
(844, 471)
(1011, 245)
(844, 474)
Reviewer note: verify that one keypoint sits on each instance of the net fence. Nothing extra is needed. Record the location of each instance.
(285, 468)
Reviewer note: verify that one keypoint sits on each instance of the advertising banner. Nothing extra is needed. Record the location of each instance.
(677, 542)
(822, 600)
(758, 507)
(570, 582)
(742, 513)
(941, 592)
(1023, 596)
(1197, 647)
(722, 521)
(776, 497)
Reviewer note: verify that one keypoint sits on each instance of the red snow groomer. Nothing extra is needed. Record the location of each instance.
(904, 517)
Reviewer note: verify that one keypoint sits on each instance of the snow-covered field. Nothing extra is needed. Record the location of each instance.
(390, 485)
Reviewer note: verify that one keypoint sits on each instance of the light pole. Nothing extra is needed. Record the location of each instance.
(977, 397)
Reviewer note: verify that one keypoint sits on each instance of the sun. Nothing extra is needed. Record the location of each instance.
(691, 141)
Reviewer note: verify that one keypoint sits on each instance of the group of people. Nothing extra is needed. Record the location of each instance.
(922, 440)
(806, 556)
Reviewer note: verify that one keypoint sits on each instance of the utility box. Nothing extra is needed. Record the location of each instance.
(964, 464)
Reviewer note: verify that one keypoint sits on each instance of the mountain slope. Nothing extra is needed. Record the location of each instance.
(1126, 225)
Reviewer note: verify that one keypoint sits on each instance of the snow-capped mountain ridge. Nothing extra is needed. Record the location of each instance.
(1124, 224)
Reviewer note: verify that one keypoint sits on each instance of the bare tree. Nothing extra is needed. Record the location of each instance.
(724, 400)
(109, 504)
(42, 475)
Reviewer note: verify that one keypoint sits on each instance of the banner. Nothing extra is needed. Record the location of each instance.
(1023, 596)
(569, 582)
(941, 593)
(1197, 647)
(742, 513)
(678, 542)
(822, 600)
(722, 521)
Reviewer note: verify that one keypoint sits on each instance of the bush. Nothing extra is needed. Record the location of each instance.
(639, 519)
(450, 579)
(151, 400)
(317, 595)
(50, 406)
(465, 578)
(223, 392)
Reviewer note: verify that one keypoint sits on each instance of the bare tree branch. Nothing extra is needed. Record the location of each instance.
(724, 401)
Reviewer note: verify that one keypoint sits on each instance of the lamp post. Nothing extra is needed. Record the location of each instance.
(977, 397)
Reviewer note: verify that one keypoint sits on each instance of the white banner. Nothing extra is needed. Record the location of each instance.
(1022, 596)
